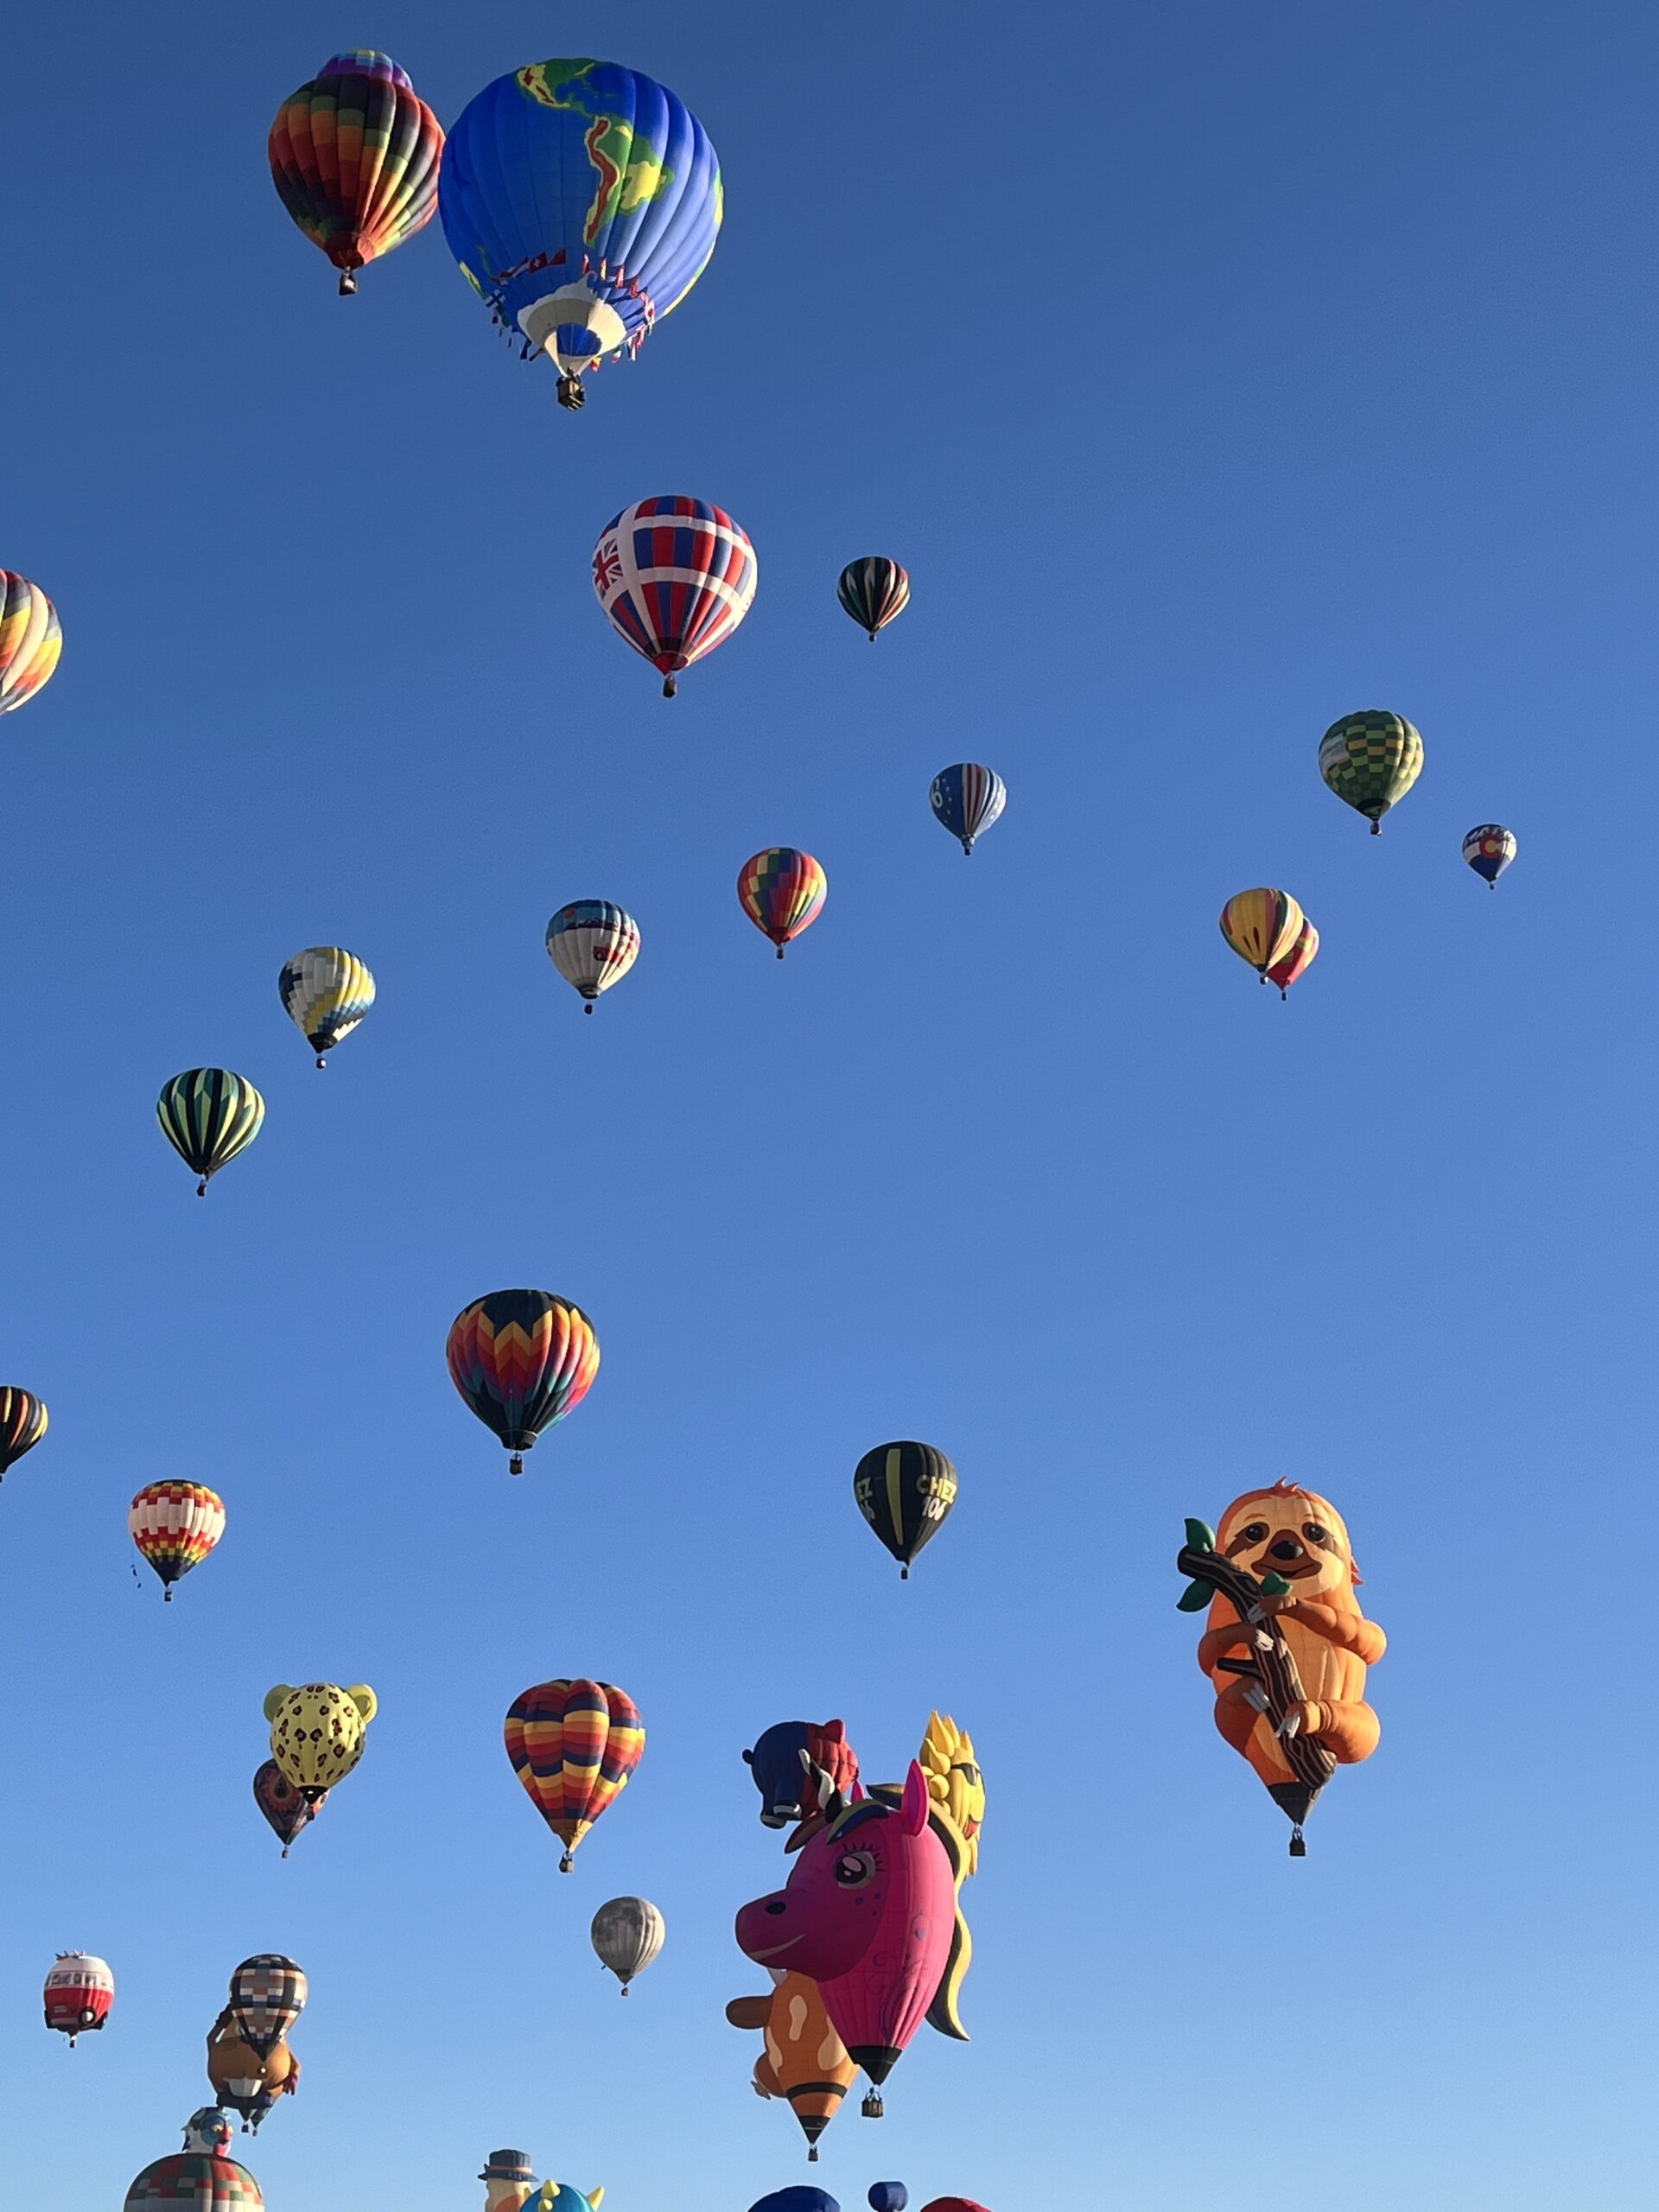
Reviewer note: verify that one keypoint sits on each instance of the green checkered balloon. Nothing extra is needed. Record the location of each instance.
(1371, 760)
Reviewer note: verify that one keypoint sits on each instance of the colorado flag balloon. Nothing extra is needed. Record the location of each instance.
(674, 577)
(582, 201)
(354, 158)
(1489, 848)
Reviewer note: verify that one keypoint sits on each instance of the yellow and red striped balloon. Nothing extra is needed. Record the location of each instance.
(354, 156)
(175, 1525)
(31, 637)
(573, 1744)
(1261, 926)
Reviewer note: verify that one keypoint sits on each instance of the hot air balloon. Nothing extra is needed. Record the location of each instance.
(626, 1935)
(593, 945)
(80, 1991)
(1371, 760)
(873, 591)
(1286, 1646)
(805, 2060)
(317, 1733)
(1489, 848)
(31, 638)
(285, 1807)
(510, 2178)
(522, 1359)
(953, 2204)
(326, 992)
(803, 2198)
(245, 2081)
(1297, 961)
(199, 2178)
(208, 1116)
(23, 1424)
(582, 201)
(573, 1744)
(175, 1525)
(967, 799)
(1261, 926)
(782, 893)
(905, 1490)
(562, 2196)
(779, 1760)
(268, 1994)
(354, 158)
(888, 2196)
(674, 577)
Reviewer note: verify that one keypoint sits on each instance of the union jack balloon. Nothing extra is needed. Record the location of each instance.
(80, 1991)
(675, 577)
(967, 799)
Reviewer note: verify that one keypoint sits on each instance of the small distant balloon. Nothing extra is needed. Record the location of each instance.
(1262, 927)
(208, 1116)
(522, 1359)
(1489, 848)
(674, 577)
(80, 1991)
(287, 1809)
(888, 2196)
(23, 1424)
(782, 892)
(1297, 961)
(967, 799)
(873, 591)
(593, 945)
(175, 1525)
(31, 640)
(801, 2198)
(354, 156)
(326, 992)
(626, 1935)
(1370, 760)
(905, 1492)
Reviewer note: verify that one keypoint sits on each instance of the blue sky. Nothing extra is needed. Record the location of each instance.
(1215, 372)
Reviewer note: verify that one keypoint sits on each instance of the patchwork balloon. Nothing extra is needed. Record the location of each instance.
(326, 992)
(674, 577)
(31, 640)
(23, 1424)
(573, 1744)
(1370, 760)
(782, 892)
(317, 1733)
(199, 2178)
(208, 1116)
(522, 1359)
(873, 591)
(354, 157)
(268, 1994)
(175, 1525)
(582, 200)
(967, 799)
(80, 1991)
(593, 945)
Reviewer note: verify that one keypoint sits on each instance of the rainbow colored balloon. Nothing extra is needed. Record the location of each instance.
(782, 893)
(175, 1525)
(674, 577)
(522, 1359)
(31, 638)
(354, 157)
(573, 1744)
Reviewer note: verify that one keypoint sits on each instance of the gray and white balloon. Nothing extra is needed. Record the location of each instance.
(627, 1934)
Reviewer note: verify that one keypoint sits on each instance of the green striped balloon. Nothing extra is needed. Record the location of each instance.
(1371, 760)
(208, 1116)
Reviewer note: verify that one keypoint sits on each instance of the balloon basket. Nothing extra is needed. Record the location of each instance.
(873, 2108)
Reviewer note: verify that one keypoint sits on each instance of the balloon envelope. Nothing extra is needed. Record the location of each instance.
(1370, 760)
(1489, 848)
(326, 992)
(286, 1808)
(208, 1116)
(782, 892)
(801, 2198)
(318, 1732)
(196, 2181)
(674, 577)
(175, 1525)
(1261, 926)
(888, 2196)
(593, 945)
(573, 1744)
(80, 1991)
(874, 590)
(967, 799)
(354, 158)
(582, 200)
(31, 638)
(905, 1492)
(23, 1424)
(522, 1359)
(1297, 961)
(627, 1933)
(268, 1994)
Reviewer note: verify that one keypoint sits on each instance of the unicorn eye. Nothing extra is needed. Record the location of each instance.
(854, 1867)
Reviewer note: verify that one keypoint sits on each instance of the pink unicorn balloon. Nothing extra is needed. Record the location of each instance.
(869, 1913)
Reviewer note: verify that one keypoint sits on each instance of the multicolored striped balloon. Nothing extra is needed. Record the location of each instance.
(326, 992)
(1261, 926)
(23, 1424)
(31, 638)
(873, 591)
(967, 799)
(593, 945)
(1297, 961)
(1489, 848)
(582, 201)
(175, 1525)
(674, 577)
(522, 1359)
(208, 1116)
(1370, 760)
(782, 891)
(573, 1744)
(354, 158)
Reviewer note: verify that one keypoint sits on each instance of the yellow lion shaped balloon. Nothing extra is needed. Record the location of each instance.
(317, 1732)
